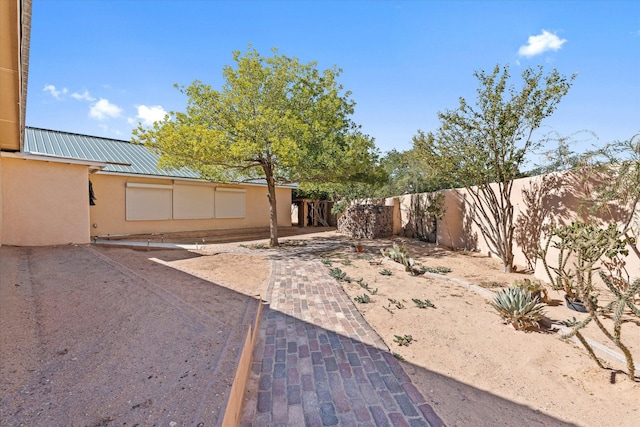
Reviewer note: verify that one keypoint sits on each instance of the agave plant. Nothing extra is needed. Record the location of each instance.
(517, 307)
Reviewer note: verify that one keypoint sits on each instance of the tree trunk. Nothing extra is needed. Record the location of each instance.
(273, 212)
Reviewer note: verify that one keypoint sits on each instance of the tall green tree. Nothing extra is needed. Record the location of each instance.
(409, 175)
(483, 147)
(274, 119)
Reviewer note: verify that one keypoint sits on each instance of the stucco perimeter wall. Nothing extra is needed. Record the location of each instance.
(539, 202)
(109, 215)
(43, 203)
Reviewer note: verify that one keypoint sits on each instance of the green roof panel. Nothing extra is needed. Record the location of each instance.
(121, 156)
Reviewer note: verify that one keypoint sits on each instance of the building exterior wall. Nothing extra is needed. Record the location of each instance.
(43, 203)
(9, 75)
(108, 216)
(1, 200)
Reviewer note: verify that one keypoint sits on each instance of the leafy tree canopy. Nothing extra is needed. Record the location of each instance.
(488, 143)
(274, 119)
(409, 175)
(476, 146)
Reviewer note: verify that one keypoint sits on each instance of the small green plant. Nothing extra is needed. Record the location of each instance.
(388, 309)
(386, 272)
(326, 261)
(408, 265)
(363, 299)
(518, 308)
(423, 304)
(436, 270)
(397, 253)
(534, 287)
(365, 285)
(398, 356)
(338, 274)
(346, 262)
(400, 254)
(399, 305)
(403, 340)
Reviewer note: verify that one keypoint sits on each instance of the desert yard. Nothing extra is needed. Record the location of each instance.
(472, 369)
(462, 338)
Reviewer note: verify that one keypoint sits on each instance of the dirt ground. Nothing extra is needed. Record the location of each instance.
(472, 369)
(95, 336)
(462, 338)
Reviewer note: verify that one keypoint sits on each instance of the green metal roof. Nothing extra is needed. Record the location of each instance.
(121, 156)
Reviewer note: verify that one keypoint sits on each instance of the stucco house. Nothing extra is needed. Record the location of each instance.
(45, 175)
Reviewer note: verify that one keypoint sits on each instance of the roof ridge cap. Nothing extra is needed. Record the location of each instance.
(79, 134)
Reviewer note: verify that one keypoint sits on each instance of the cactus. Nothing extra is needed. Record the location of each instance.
(590, 247)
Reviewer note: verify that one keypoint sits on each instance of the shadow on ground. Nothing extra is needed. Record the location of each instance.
(109, 337)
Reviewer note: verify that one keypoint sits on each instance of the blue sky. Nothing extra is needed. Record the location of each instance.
(100, 67)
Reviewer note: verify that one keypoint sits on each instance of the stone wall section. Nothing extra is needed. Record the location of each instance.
(366, 221)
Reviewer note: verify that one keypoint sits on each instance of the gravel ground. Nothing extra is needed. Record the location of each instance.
(97, 337)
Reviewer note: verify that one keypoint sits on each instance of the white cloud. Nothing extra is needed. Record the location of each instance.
(103, 109)
(84, 96)
(541, 43)
(55, 92)
(148, 115)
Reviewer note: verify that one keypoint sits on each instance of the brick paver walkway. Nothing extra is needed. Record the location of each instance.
(318, 362)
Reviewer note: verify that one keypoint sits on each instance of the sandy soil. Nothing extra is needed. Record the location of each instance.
(462, 338)
(473, 369)
(94, 336)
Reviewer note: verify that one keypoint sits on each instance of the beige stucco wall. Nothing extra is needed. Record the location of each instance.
(9, 75)
(1, 201)
(108, 215)
(538, 203)
(43, 203)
